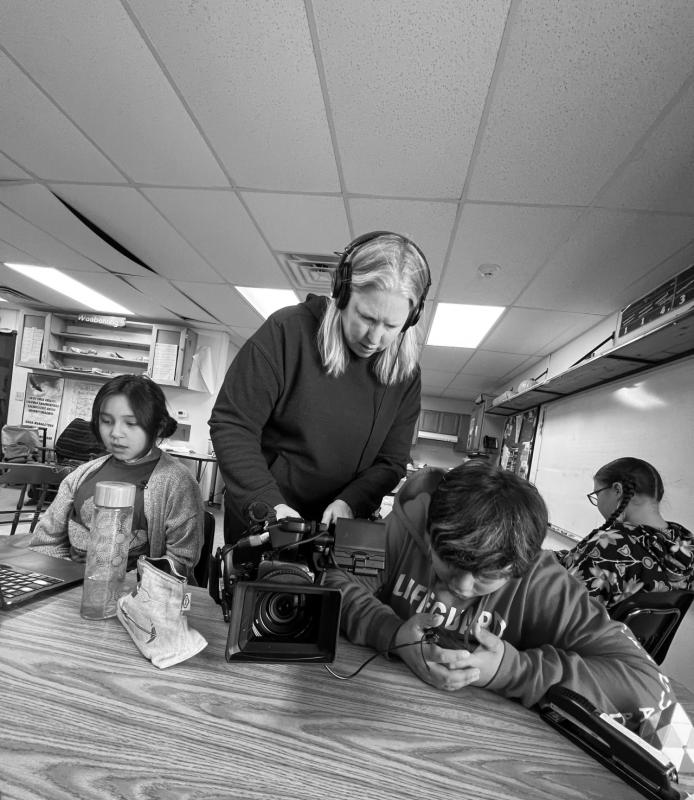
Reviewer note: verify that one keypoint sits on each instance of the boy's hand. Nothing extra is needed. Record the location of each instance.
(486, 658)
(444, 669)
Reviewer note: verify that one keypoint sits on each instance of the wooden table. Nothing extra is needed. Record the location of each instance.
(84, 715)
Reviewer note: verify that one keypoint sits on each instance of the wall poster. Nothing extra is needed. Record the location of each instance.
(42, 401)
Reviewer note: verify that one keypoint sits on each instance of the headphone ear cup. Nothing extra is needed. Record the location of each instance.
(415, 314)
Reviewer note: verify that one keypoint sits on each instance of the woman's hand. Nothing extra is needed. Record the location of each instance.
(283, 511)
(444, 669)
(338, 508)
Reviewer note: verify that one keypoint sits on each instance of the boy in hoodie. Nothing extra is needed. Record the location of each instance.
(464, 554)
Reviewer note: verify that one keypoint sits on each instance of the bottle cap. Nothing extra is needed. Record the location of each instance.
(114, 494)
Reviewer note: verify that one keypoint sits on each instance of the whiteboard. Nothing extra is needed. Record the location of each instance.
(648, 416)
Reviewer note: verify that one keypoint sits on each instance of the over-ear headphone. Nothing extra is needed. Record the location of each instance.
(342, 282)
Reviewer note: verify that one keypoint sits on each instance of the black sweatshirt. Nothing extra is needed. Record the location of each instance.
(286, 432)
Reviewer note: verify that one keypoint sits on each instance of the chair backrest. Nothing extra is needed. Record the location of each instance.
(19, 444)
(654, 618)
(77, 444)
(42, 478)
(202, 568)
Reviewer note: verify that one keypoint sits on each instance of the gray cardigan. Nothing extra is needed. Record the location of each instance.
(173, 509)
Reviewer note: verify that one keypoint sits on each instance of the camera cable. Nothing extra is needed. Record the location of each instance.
(419, 642)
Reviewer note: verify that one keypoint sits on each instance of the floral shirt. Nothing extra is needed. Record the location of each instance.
(627, 558)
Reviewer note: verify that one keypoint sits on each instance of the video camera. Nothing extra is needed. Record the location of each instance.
(268, 584)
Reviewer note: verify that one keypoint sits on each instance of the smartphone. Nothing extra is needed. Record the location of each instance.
(451, 640)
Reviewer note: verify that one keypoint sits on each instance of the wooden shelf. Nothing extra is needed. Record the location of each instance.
(669, 342)
(135, 362)
(86, 374)
(163, 351)
(93, 338)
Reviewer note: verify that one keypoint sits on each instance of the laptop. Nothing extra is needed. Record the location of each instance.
(26, 575)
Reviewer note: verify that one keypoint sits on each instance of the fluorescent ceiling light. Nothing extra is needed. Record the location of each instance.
(265, 301)
(59, 282)
(457, 325)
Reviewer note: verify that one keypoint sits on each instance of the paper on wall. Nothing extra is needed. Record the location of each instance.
(201, 371)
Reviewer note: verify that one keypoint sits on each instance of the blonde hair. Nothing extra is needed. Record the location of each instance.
(391, 263)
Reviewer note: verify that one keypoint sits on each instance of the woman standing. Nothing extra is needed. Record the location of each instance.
(316, 414)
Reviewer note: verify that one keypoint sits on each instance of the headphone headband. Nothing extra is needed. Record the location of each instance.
(342, 283)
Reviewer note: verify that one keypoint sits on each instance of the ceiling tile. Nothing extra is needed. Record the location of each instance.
(531, 331)
(127, 106)
(305, 223)
(516, 238)
(217, 225)
(170, 297)
(428, 224)
(211, 138)
(36, 202)
(41, 248)
(445, 359)
(406, 85)
(488, 363)
(468, 387)
(27, 114)
(607, 252)
(435, 379)
(112, 287)
(660, 176)
(126, 215)
(248, 72)
(222, 302)
(580, 83)
(9, 171)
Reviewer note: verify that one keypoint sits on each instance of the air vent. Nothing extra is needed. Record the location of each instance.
(308, 272)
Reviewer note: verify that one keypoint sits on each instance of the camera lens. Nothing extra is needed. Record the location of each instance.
(285, 615)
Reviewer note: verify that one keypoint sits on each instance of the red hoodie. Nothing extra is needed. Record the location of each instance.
(553, 631)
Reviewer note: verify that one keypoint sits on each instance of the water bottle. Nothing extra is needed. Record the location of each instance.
(107, 551)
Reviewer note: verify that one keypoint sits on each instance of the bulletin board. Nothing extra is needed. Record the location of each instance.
(649, 416)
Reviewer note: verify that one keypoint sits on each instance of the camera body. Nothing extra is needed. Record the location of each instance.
(268, 584)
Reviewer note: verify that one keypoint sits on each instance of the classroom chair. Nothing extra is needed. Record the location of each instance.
(43, 478)
(654, 618)
(77, 444)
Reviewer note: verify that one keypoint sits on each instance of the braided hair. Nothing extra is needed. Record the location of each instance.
(636, 477)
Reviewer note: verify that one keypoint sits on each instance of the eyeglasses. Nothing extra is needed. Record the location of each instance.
(593, 496)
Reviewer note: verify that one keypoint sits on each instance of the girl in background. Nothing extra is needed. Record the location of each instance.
(635, 548)
(129, 416)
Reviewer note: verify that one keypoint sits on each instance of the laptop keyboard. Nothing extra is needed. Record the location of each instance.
(18, 583)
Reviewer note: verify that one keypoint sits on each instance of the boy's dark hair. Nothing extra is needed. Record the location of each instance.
(636, 476)
(483, 519)
(146, 400)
